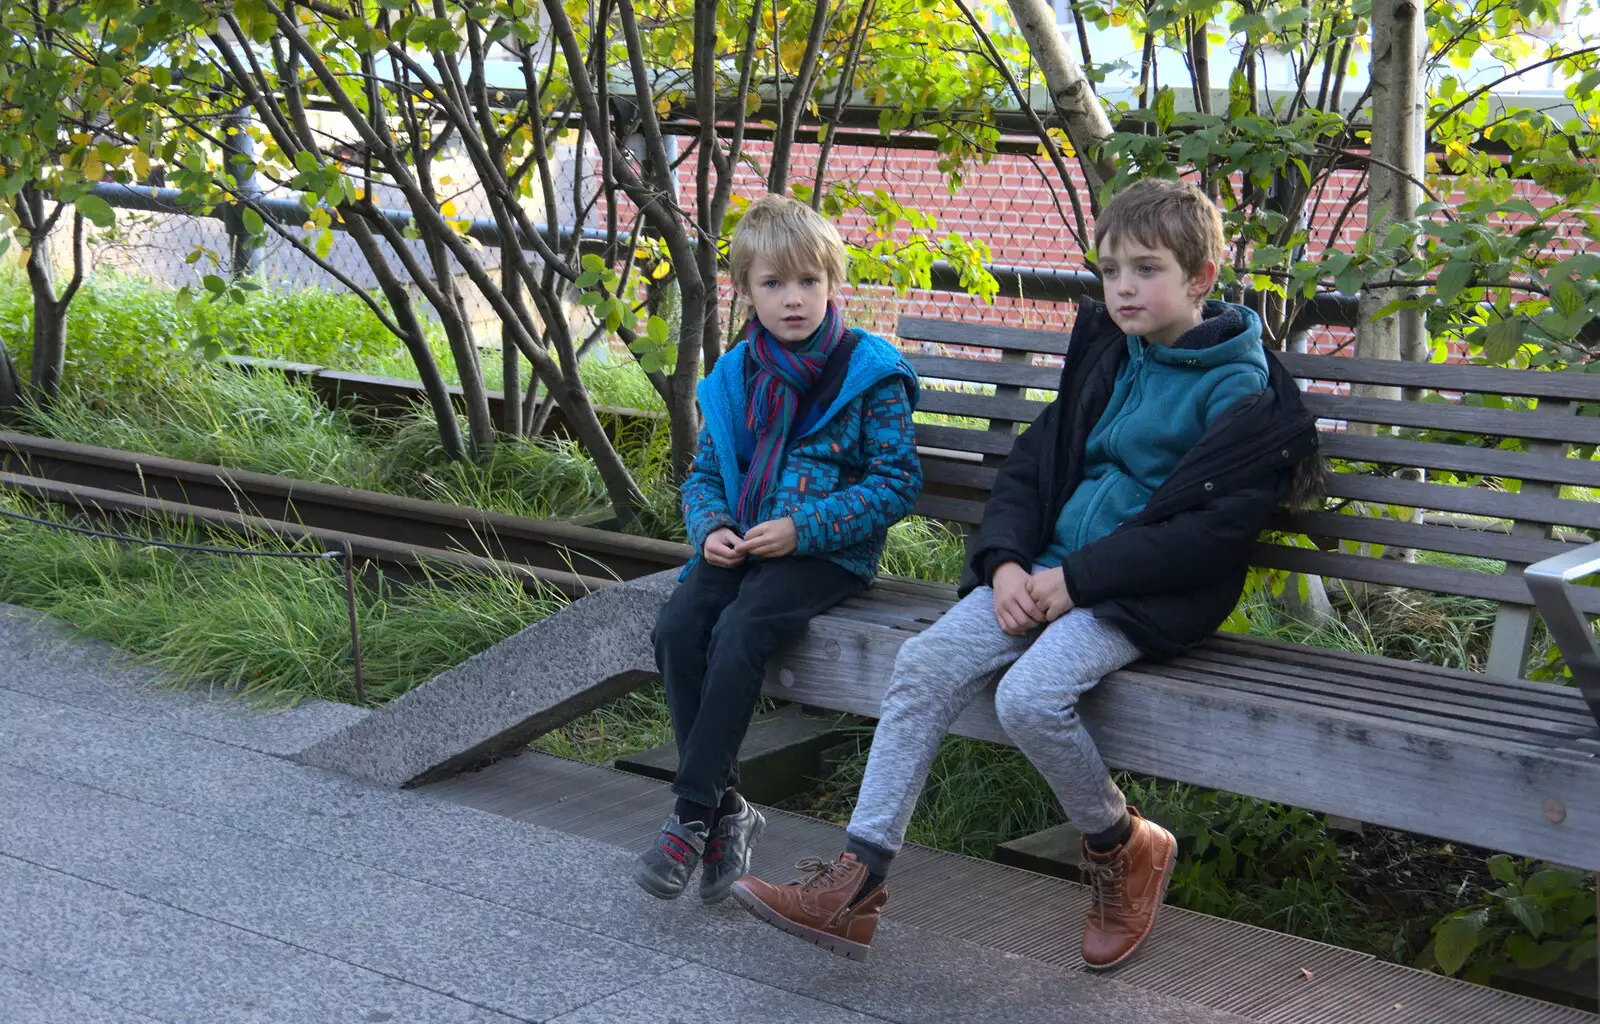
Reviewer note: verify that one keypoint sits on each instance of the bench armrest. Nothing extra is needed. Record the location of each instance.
(1550, 582)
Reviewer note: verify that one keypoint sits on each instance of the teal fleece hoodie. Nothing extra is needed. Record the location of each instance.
(1163, 401)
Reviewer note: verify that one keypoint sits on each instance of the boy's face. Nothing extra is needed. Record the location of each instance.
(792, 305)
(1148, 293)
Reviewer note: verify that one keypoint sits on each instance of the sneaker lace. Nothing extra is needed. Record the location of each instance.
(1108, 887)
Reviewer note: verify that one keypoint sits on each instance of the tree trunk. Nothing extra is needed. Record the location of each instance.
(1073, 97)
(49, 328)
(1396, 169)
(10, 387)
(413, 337)
(510, 361)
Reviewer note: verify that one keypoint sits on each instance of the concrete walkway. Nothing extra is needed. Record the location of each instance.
(162, 860)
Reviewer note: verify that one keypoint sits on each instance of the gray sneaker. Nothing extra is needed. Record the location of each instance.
(665, 868)
(727, 855)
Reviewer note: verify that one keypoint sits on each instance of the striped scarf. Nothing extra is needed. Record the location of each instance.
(783, 375)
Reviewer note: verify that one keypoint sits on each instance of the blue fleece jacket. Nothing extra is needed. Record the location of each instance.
(849, 473)
(1163, 401)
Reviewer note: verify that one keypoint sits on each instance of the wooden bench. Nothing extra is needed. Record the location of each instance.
(1484, 758)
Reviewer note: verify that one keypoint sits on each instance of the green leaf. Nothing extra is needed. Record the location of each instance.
(1503, 869)
(1502, 340)
(1567, 298)
(658, 330)
(1456, 938)
(587, 279)
(1530, 955)
(96, 210)
(1529, 914)
(1453, 277)
(304, 162)
(253, 222)
(214, 284)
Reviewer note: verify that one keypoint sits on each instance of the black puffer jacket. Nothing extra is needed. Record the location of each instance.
(1170, 575)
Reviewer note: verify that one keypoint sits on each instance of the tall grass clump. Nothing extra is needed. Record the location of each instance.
(275, 628)
(925, 549)
(214, 414)
(537, 477)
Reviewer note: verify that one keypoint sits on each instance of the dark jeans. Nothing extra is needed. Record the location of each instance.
(712, 643)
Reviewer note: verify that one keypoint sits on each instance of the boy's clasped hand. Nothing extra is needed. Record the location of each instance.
(771, 539)
(1024, 602)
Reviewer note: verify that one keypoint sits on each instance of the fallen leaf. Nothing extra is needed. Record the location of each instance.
(1305, 974)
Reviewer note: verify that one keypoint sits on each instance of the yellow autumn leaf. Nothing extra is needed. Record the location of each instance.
(448, 209)
(661, 270)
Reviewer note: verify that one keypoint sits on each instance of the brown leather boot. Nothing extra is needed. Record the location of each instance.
(817, 908)
(1126, 887)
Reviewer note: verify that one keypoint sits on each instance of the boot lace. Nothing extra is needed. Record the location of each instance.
(1108, 888)
(816, 870)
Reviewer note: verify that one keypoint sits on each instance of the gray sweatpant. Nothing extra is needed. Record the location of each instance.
(943, 669)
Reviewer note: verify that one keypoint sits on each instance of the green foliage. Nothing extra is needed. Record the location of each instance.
(1537, 916)
(276, 628)
(1490, 265)
(924, 549)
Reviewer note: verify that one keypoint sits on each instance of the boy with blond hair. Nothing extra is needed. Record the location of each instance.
(1120, 527)
(806, 459)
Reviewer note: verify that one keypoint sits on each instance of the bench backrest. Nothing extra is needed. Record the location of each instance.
(1466, 420)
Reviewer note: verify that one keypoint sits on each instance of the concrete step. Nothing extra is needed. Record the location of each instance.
(1207, 962)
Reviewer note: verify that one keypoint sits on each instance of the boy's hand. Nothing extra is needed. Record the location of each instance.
(1048, 588)
(722, 549)
(771, 539)
(1013, 605)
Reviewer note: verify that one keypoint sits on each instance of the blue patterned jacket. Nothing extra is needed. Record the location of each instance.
(845, 480)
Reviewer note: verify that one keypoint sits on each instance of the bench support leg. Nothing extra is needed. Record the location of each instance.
(1550, 582)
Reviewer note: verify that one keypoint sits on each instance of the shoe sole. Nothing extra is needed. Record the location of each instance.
(652, 885)
(832, 943)
(710, 896)
(1161, 896)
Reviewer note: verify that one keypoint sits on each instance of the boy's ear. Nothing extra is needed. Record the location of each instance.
(1200, 284)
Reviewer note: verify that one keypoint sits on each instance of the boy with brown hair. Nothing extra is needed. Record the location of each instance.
(806, 459)
(1120, 527)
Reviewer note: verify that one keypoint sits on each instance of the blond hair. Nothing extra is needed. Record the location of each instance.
(1175, 215)
(791, 238)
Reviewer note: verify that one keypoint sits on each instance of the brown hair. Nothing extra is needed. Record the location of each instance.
(1175, 215)
(789, 237)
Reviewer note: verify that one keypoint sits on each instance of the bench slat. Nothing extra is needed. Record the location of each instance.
(1460, 458)
(987, 371)
(1543, 426)
(983, 407)
(1393, 533)
(1523, 732)
(1490, 380)
(959, 474)
(961, 439)
(955, 510)
(1471, 500)
(977, 335)
(1388, 572)
(1378, 672)
(1483, 714)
